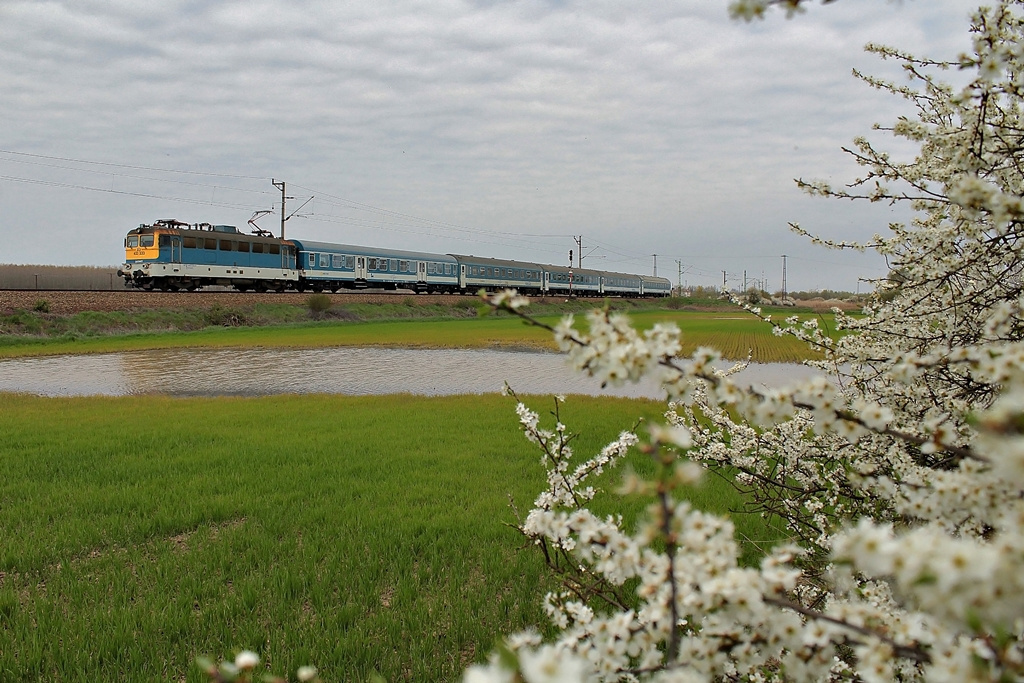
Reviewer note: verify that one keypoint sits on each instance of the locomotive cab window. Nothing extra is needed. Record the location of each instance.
(146, 240)
(132, 241)
(165, 241)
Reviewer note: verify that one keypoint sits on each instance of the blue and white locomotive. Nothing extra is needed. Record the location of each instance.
(171, 256)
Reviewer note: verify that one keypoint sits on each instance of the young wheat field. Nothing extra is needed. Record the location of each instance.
(358, 534)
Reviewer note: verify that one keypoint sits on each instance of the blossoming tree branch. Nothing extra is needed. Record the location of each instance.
(899, 474)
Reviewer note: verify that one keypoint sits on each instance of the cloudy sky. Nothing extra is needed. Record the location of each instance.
(488, 127)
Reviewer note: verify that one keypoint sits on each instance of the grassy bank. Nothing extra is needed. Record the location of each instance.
(359, 534)
(733, 332)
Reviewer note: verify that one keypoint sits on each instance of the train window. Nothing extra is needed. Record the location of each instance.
(225, 245)
(257, 247)
(188, 242)
(337, 260)
(403, 266)
(243, 246)
(350, 261)
(146, 240)
(274, 248)
(325, 259)
(311, 260)
(371, 264)
(164, 241)
(209, 243)
(394, 264)
(132, 241)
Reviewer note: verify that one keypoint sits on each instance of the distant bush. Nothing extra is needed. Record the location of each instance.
(42, 306)
(318, 304)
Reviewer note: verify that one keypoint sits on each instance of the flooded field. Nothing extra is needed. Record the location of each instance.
(351, 371)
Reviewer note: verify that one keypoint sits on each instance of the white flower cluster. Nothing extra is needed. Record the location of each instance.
(899, 476)
(246, 669)
(756, 9)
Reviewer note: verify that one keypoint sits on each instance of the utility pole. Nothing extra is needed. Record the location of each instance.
(679, 277)
(724, 286)
(655, 264)
(744, 280)
(280, 186)
(579, 252)
(783, 277)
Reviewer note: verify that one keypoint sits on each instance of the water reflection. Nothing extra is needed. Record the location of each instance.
(353, 371)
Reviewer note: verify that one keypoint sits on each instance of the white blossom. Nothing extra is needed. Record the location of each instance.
(898, 476)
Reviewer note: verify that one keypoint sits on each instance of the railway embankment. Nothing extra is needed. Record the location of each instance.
(68, 302)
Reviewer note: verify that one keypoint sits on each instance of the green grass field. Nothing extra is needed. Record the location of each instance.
(357, 534)
(734, 333)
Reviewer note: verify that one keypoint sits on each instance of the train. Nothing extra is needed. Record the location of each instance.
(170, 255)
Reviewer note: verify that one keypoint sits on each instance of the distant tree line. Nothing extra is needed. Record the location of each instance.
(32, 277)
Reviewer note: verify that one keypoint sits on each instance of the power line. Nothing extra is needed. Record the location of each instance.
(50, 183)
(400, 222)
(137, 168)
(450, 226)
(138, 177)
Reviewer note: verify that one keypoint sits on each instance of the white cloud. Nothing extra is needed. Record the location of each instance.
(655, 128)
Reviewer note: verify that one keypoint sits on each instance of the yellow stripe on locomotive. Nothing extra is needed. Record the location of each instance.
(144, 247)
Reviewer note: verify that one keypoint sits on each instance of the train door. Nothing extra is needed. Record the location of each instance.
(545, 284)
(175, 249)
(462, 276)
(360, 267)
(421, 271)
(287, 257)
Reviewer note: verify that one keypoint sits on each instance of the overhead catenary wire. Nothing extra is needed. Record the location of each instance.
(51, 183)
(137, 168)
(375, 217)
